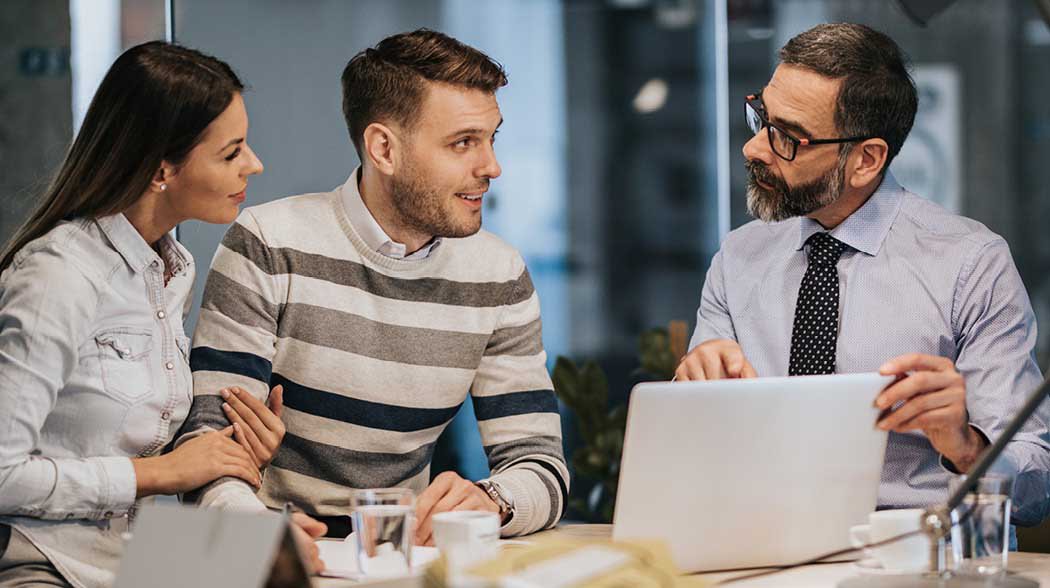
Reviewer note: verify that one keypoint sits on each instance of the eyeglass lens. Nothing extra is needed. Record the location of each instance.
(781, 144)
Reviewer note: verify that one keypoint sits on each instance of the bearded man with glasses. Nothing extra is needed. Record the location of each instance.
(845, 271)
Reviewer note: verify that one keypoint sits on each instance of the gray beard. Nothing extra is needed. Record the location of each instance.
(784, 202)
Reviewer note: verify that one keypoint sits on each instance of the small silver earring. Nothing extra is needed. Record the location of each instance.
(163, 187)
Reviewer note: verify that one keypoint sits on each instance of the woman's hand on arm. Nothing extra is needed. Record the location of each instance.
(193, 464)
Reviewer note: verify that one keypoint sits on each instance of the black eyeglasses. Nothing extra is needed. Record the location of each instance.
(782, 143)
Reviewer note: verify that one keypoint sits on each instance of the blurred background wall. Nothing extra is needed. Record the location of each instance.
(622, 134)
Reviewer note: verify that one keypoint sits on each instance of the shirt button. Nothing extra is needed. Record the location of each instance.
(169, 365)
(161, 314)
(165, 415)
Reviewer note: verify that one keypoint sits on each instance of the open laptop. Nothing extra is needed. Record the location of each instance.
(749, 473)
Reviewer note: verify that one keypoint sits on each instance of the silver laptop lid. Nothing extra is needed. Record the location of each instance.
(746, 473)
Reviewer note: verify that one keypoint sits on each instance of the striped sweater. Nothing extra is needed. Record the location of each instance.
(376, 355)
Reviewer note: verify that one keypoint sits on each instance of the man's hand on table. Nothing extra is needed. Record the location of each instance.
(305, 530)
(934, 401)
(447, 492)
(716, 359)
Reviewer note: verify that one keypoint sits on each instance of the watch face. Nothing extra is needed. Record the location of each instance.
(504, 504)
(496, 494)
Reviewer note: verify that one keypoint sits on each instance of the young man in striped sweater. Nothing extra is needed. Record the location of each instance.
(380, 305)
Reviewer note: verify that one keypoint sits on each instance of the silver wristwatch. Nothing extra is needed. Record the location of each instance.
(500, 496)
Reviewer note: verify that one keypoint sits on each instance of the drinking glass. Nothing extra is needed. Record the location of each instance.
(383, 526)
(981, 541)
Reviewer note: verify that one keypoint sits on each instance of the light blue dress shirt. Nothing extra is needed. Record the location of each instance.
(915, 278)
(93, 372)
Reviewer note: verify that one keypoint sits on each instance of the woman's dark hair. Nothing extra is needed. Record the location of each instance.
(152, 106)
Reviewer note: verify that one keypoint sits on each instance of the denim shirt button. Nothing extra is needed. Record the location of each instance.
(169, 365)
(165, 415)
(161, 314)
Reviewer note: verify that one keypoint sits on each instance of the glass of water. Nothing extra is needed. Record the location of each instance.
(981, 542)
(383, 527)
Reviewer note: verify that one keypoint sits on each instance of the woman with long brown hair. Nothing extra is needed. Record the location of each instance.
(94, 377)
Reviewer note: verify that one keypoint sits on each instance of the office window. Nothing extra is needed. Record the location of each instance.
(55, 53)
(608, 149)
(981, 139)
(622, 134)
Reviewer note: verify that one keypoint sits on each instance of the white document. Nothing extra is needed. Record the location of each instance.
(340, 560)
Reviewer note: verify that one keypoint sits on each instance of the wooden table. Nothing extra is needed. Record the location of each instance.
(1031, 565)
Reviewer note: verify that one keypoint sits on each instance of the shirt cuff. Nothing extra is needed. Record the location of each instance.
(232, 495)
(119, 486)
(525, 509)
(948, 466)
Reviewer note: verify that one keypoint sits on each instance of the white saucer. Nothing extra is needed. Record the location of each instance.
(872, 567)
(340, 558)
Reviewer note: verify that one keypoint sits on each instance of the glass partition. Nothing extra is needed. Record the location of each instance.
(608, 147)
(55, 53)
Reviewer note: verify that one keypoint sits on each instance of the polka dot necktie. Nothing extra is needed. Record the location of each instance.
(816, 327)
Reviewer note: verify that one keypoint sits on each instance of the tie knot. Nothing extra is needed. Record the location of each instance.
(825, 249)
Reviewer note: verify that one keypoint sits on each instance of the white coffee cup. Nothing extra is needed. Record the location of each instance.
(466, 537)
(906, 555)
(472, 528)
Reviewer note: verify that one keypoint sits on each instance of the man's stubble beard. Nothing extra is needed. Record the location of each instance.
(423, 209)
(784, 202)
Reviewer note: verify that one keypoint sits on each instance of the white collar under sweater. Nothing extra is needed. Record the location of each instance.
(368, 228)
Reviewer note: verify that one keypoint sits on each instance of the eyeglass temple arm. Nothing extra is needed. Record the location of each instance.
(823, 141)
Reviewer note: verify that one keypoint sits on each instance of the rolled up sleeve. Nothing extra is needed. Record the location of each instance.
(518, 416)
(997, 336)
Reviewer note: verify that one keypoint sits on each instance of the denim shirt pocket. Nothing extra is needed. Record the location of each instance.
(124, 355)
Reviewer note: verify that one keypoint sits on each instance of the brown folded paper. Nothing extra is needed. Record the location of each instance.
(641, 564)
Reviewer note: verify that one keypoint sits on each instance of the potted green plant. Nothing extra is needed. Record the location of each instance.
(585, 390)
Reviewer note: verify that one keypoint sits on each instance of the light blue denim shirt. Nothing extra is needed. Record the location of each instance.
(915, 278)
(93, 372)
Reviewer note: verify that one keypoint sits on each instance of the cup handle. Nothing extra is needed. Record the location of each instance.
(860, 535)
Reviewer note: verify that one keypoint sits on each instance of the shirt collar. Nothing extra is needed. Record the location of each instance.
(865, 230)
(136, 252)
(368, 228)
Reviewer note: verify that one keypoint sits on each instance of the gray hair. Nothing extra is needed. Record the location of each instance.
(878, 96)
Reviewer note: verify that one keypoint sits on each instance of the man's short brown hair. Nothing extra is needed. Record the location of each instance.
(386, 82)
